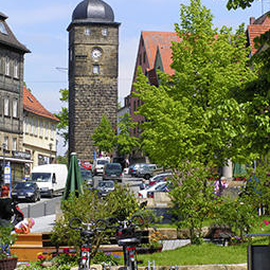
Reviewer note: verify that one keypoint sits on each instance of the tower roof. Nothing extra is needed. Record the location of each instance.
(93, 11)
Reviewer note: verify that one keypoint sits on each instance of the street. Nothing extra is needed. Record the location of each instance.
(46, 206)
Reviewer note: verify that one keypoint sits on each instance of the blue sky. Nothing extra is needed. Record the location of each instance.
(41, 26)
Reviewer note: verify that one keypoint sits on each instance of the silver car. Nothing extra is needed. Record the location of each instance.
(145, 170)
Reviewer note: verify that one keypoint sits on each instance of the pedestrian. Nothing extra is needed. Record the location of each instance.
(6, 207)
(127, 162)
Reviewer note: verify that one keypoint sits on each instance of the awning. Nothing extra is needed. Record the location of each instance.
(19, 160)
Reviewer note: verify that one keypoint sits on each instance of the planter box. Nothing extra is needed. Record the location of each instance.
(8, 263)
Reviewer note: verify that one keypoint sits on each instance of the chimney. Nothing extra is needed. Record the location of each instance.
(251, 20)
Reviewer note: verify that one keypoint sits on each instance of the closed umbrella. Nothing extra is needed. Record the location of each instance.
(74, 178)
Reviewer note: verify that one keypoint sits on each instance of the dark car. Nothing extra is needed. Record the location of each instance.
(87, 176)
(104, 187)
(26, 191)
(120, 160)
(112, 171)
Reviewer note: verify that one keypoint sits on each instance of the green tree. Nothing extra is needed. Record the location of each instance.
(63, 116)
(104, 136)
(193, 199)
(125, 142)
(120, 203)
(194, 115)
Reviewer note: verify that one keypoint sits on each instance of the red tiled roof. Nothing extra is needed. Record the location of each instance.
(32, 105)
(259, 26)
(166, 57)
(254, 31)
(153, 40)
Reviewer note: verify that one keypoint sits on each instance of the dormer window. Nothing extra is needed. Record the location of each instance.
(3, 28)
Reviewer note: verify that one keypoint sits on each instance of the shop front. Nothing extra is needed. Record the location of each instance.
(19, 164)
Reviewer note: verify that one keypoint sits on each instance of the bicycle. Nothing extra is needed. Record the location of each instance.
(87, 236)
(128, 238)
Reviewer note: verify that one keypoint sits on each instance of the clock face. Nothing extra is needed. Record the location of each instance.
(96, 53)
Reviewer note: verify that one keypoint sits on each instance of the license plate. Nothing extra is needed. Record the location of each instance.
(114, 175)
(21, 197)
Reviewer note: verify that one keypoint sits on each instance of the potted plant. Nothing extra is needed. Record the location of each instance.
(7, 260)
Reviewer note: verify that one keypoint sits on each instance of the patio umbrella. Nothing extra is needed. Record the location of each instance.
(74, 178)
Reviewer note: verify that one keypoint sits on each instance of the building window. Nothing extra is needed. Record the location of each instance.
(32, 125)
(134, 106)
(47, 130)
(7, 66)
(40, 128)
(87, 31)
(36, 127)
(96, 69)
(52, 131)
(6, 107)
(104, 32)
(15, 108)
(16, 73)
(3, 29)
(14, 144)
(6, 142)
(144, 57)
(26, 124)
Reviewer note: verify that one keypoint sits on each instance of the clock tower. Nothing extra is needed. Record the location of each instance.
(93, 73)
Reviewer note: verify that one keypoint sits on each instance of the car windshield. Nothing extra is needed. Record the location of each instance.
(24, 185)
(102, 162)
(113, 166)
(41, 177)
(106, 184)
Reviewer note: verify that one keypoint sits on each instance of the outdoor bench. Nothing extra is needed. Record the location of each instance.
(220, 235)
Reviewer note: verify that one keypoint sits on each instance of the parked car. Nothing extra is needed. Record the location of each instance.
(104, 187)
(26, 191)
(145, 170)
(163, 188)
(120, 160)
(87, 176)
(159, 177)
(99, 164)
(143, 193)
(112, 171)
(132, 169)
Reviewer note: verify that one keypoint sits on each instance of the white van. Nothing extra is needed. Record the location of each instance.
(99, 164)
(50, 178)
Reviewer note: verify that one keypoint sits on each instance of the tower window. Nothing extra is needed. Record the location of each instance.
(104, 32)
(96, 69)
(87, 31)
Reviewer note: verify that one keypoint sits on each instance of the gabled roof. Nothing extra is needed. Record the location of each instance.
(153, 40)
(32, 105)
(166, 58)
(9, 39)
(256, 28)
